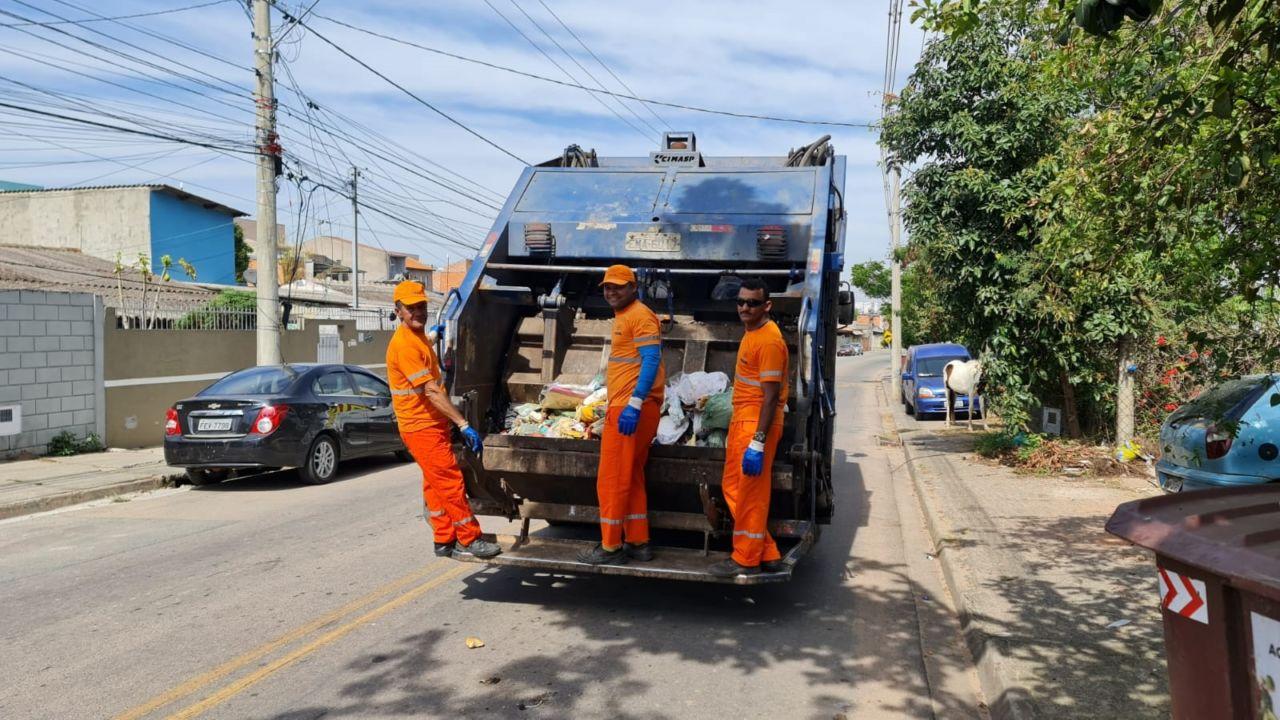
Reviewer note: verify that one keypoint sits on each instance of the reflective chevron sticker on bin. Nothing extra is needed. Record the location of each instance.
(1183, 595)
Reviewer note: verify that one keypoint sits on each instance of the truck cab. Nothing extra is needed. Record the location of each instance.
(529, 313)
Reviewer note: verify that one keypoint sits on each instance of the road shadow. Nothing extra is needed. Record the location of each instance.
(1078, 581)
(836, 623)
(276, 480)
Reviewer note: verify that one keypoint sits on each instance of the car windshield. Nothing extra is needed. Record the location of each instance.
(932, 366)
(1225, 402)
(253, 381)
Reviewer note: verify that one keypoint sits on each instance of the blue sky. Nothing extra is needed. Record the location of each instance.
(818, 60)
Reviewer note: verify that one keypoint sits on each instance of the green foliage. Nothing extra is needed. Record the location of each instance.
(242, 253)
(994, 444)
(1076, 199)
(872, 277)
(230, 309)
(66, 443)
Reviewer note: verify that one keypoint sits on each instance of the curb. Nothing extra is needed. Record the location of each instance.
(1007, 699)
(53, 502)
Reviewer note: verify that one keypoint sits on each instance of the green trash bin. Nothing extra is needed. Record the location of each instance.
(1218, 579)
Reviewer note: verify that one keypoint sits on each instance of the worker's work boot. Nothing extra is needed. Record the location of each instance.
(773, 566)
(599, 556)
(444, 549)
(640, 552)
(729, 567)
(479, 548)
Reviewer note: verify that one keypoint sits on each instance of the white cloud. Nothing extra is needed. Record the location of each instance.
(819, 60)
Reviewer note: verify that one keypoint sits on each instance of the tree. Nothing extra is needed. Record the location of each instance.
(872, 277)
(980, 129)
(242, 253)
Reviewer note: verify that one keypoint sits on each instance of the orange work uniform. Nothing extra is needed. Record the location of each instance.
(624, 506)
(762, 357)
(427, 434)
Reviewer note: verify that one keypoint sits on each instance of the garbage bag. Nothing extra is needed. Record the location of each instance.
(671, 430)
(697, 386)
(716, 439)
(562, 396)
(718, 411)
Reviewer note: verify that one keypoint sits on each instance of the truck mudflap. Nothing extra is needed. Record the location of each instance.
(669, 563)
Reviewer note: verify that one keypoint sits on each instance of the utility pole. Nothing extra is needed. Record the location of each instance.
(268, 337)
(895, 290)
(355, 241)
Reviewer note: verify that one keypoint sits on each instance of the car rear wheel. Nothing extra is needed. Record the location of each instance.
(910, 410)
(322, 461)
(197, 476)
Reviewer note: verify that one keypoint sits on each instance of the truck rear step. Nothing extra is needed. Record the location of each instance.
(670, 563)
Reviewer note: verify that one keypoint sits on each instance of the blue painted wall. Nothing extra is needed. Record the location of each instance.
(204, 238)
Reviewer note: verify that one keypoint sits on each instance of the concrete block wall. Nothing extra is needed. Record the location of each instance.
(50, 366)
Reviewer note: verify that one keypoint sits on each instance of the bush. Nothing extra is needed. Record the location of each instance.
(66, 443)
(230, 310)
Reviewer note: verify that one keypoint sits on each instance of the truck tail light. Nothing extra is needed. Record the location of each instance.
(171, 424)
(771, 242)
(1216, 443)
(268, 419)
(538, 239)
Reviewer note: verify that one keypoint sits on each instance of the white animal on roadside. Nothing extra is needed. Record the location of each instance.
(961, 377)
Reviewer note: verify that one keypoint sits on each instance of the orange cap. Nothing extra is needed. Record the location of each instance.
(410, 292)
(618, 275)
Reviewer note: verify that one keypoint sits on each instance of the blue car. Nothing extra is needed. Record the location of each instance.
(1198, 449)
(922, 390)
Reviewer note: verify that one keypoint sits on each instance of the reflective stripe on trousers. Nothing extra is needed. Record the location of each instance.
(620, 477)
(748, 495)
(442, 486)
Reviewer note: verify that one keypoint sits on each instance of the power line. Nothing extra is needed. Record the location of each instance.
(405, 90)
(162, 37)
(100, 18)
(132, 131)
(559, 67)
(602, 63)
(543, 78)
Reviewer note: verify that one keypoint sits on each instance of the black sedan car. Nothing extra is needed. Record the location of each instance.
(301, 415)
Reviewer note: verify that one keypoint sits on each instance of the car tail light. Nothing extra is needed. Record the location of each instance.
(268, 419)
(1216, 443)
(925, 393)
(171, 425)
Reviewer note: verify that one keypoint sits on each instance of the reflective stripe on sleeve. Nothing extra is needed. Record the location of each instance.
(628, 361)
(417, 375)
(748, 381)
(647, 338)
(753, 536)
(409, 391)
(771, 373)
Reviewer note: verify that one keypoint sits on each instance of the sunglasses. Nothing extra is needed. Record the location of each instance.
(750, 302)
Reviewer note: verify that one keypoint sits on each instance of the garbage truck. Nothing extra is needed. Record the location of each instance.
(529, 314)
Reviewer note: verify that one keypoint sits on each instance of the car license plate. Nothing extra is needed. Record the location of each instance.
(959, 403)
(214, 425)
(653, 242)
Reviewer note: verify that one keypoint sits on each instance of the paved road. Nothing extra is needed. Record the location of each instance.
(264, 598)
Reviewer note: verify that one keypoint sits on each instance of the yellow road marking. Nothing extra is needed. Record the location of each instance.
(266, 671)
(196, 683)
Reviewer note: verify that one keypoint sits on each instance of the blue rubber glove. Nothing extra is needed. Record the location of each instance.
(629, 420)
(753, 459)
(436, 331)
(471, 439)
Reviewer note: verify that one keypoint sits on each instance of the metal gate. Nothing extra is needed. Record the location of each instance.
(329, 348)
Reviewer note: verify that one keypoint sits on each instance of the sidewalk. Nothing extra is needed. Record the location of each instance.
(1061, 618)
(47, 483)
